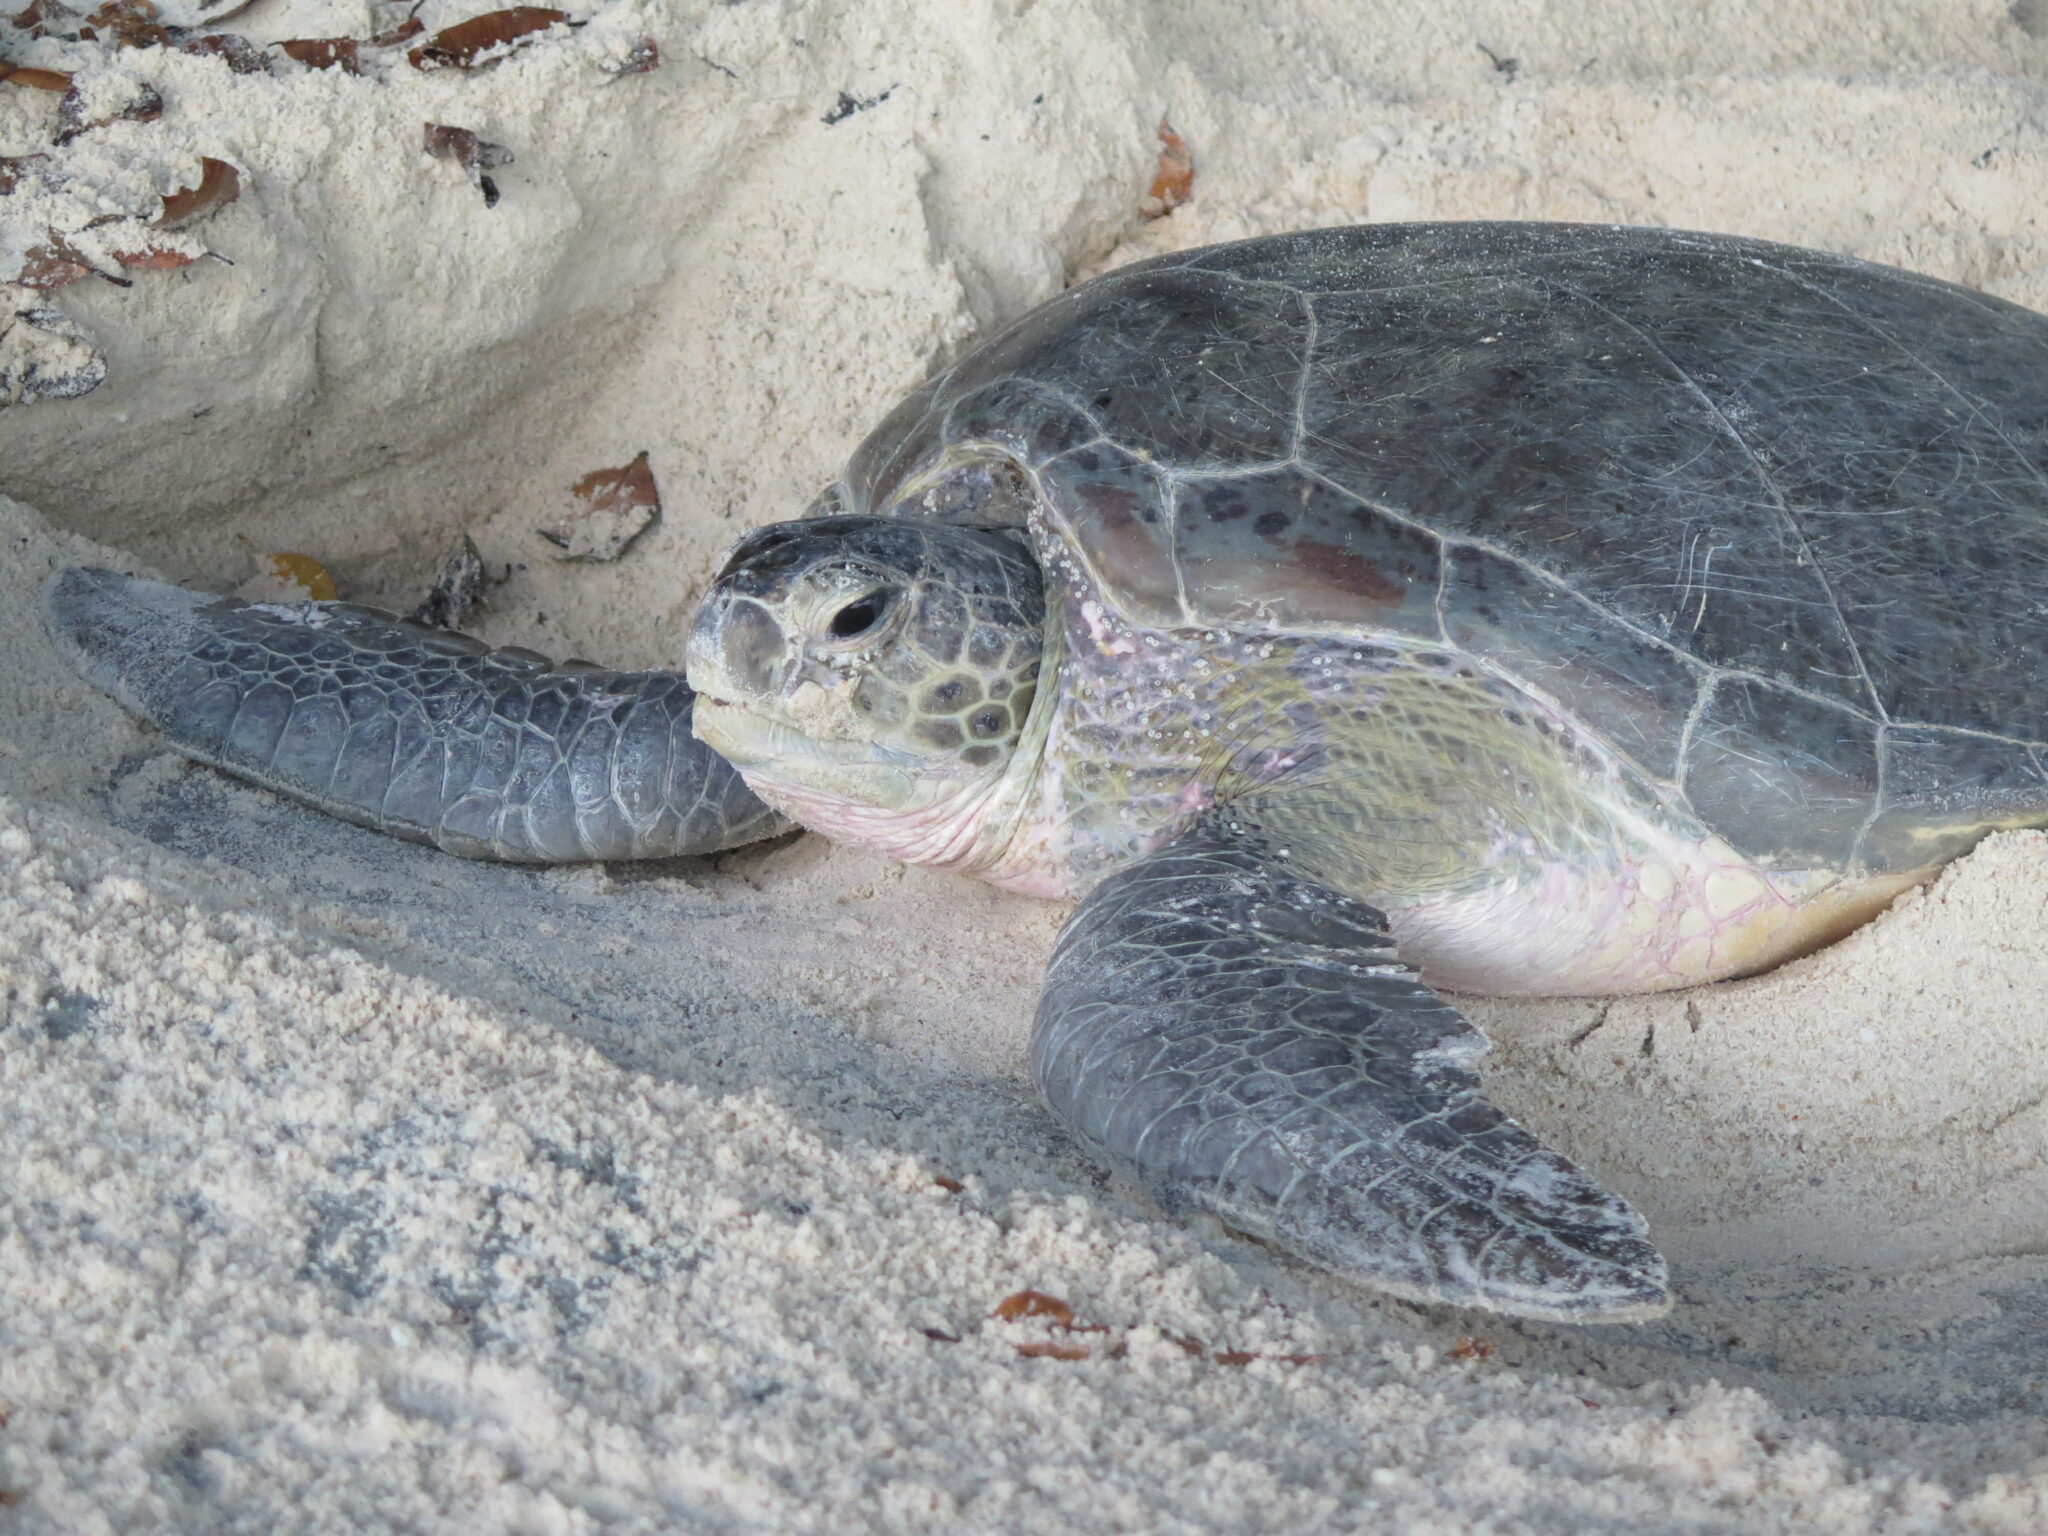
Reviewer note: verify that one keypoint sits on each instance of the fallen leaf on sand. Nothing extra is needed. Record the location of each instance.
(138, 103)
(34, 79)
(43, 354)
(154, 258)
(1174, 183)
(52, 264)
(610, 508)
(42, 17)
(127, 24)
(219, 185)
(1032, 1304)
(16, 169)
(456, 589)
(477, 157)
(342, 53)
(1191, 1345)
(404, 32)
(288, 577)
(242, 56)
(1050, 1349)
(484, 39)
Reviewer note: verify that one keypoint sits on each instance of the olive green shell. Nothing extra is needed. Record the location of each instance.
(1771, 523)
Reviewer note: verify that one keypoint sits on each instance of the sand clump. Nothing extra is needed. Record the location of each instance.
(348, 1180)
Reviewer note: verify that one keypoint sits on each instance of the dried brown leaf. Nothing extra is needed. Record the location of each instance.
(1471, 1348)
(1052, 1349)
(1246, 1357)
(404, 32)
(219, 185)
(940, 1335)
(34, 79)
(242, 56)
(477, 157)
(142, 106)
(289, 577)
(127, 24)
(154, 258)
(42, 18)
(45, 356)
(950, 1186)
(1174, 182)
(610, 508)
(15, 169)
(342, 53)
(479, 39)
(51, 265)
(1033, 1304)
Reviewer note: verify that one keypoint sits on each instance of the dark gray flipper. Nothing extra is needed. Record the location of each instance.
(1246, 1042)
(419, 732)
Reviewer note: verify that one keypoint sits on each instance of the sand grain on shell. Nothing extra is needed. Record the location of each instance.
(349, 1185)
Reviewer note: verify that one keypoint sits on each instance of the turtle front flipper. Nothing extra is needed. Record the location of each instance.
(1246, 1042)
(415, 731)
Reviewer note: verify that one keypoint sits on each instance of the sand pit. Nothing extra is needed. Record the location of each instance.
(348, 1186)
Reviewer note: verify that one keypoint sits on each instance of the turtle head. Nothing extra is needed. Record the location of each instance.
(871, 675)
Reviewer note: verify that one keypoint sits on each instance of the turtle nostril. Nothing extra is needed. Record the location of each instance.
(857, 618)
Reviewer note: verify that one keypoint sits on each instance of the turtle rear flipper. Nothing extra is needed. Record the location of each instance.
(414, 731)
(1246, 1042)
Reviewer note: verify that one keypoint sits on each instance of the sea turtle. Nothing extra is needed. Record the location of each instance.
(1521, 608)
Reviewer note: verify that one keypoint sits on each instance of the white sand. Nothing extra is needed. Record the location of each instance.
(345, 1186)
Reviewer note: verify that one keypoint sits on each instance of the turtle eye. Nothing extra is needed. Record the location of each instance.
(858, 617)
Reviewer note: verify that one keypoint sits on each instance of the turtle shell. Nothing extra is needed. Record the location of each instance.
(1771, 523)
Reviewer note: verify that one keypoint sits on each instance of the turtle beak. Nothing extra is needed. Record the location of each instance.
(737, 653)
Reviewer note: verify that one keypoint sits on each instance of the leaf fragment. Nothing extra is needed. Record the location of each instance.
(288, 577)
(44, 356)
(219, 185)
(1174, 182)
(404, 32)
(52, 264)
(17, 168)
(75, 117)
(950, 1186)
(154, 258)
(342, 53)
(477, 157)
(484, 39)
(1471, 1348)
(126, 24)
(41, 18)
(34, 79)
(456, 589)
(1033, 1304)
(610, 508)
(243, 57)
(1052, 1349)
